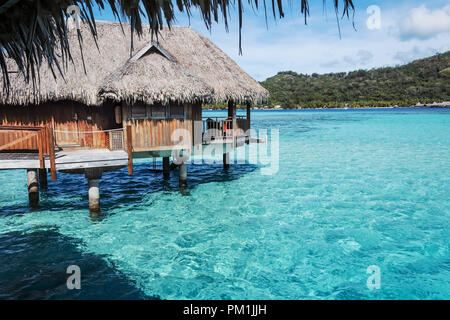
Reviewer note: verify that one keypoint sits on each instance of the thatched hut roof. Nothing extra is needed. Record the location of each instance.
(182, 66)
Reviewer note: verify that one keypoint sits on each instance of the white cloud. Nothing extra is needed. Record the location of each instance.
(423, 23)
(317, 48)
(363, 57)
(415, 53)
(330, 64)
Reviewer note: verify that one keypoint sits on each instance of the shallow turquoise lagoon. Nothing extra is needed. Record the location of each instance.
(353, 189)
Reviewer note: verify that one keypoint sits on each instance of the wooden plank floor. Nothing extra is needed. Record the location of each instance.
(240, 141)
(82, 159)
(66, 160)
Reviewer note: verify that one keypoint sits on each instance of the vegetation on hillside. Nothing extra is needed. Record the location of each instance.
(425, 81)
(222, 106)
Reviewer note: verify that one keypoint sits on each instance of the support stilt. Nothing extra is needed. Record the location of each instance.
(43, 178)
(94, 195)
(183, 175)
(33, 187)
(232, 116)
(166, 167)
(248, 119)
(93, 176)
(226, 160)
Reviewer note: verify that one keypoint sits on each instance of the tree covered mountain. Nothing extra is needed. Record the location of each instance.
(423, 81)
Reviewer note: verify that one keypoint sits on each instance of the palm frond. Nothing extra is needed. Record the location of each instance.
(32, 30)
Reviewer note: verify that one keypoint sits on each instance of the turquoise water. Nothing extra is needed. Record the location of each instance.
(354, 189)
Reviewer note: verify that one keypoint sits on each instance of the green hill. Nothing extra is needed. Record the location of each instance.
(424, 81)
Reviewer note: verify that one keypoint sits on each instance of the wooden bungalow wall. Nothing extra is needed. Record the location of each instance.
(153, 134)
(71, 119)
(68, 116)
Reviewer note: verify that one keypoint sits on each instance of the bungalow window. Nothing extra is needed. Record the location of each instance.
(177, 111)
(157, 111)
(138, 111)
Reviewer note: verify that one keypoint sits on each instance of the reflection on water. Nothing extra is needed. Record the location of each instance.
(33, 265)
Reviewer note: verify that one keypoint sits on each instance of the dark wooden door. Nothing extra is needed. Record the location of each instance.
(73, 125)
(84, 127)
(65, 124)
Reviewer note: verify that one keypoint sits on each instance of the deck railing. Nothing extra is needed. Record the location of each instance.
(221, 128)
(30, 138)
(116, 141)
(112, 139)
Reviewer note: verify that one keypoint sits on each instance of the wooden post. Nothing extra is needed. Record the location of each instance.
(226, 160)
(232, 115)
(248, 113)
(43, 178)
(93, 176)
(51, 151)
(45, 141)
(182, 168)
(94, 195)
(230, 108)
(33, 187)
(166, 167)
(248, 122)
(130, 150)
(41, 149)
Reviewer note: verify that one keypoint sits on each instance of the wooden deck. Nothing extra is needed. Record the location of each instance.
(240, 141)
(76, 160)
(66, 160)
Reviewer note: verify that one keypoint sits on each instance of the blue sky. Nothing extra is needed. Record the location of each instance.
(407, 30)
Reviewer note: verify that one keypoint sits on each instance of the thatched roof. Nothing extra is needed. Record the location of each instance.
(42, 23)
(183, 66)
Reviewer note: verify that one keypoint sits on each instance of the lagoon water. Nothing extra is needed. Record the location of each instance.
(355, 188)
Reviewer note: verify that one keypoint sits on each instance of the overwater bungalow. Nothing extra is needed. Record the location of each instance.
(116, 101)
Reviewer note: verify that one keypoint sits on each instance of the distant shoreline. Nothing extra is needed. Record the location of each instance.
(339, 108)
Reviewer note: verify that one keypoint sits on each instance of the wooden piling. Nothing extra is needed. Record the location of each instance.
(40, 141)
(43, 178)
(248, 119)
(183, 175)
(166, 167)
(226, 160)
(51, 152)
(94, 195)
(232, 116)
(130, 150)
(93, 176)
(33, 187)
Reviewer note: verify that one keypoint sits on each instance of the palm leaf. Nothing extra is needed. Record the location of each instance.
(31, 30)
